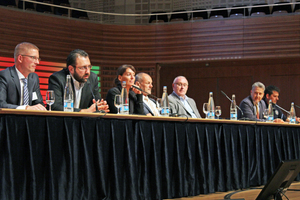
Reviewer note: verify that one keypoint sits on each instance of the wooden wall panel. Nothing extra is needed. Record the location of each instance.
(236, 77)
(213, 54)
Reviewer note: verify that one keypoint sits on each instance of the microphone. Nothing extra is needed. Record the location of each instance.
(297, 106)
(236, 105)
(136, 87)
(283, 109)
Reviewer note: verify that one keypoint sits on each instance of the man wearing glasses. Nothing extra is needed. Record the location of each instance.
(181, 104)
(84, 84)
(19, 85)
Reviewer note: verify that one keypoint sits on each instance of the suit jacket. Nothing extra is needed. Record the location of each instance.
(90, 90)
(135, 101)
(147, 109)
(249, 110)
(10, 89)
(276, 111)
(177, 107)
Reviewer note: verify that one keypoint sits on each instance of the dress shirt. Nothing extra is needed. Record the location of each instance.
(151, 105)
(78, 90)
(186, 105)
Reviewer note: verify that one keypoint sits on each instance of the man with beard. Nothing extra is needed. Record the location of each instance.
(84, 84)
(19, 85)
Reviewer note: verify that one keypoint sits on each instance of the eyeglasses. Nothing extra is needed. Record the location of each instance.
(181, 84)
(84, 68)
(33, 57)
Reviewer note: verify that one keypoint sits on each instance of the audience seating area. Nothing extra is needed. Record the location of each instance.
(46, 8)
(162, 17)
(233, 12)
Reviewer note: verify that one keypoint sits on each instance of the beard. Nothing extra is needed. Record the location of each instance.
(78, 78)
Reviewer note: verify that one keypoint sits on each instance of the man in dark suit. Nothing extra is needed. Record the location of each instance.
(144, 81)
(19, 85)
(253, 106)
(84, 84)
(179, 102)
(272, 93)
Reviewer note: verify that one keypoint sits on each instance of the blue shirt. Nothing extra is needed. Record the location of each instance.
(186, 105)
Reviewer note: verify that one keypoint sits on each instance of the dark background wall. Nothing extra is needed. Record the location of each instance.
(214, 55)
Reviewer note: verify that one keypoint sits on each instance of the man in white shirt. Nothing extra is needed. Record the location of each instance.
(144, 81)
(180, 103)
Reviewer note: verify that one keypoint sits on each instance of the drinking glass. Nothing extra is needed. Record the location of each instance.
(158, 104)
(118, 102)
(218, 111)
(205, 109)
(50, 98)
(266, 114)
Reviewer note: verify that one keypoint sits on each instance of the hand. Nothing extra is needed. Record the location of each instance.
(278, 120)
(36, 107)
(102, 105)
(136, 90)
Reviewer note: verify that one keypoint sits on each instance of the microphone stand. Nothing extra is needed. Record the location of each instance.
(96, 106)
(236, 105)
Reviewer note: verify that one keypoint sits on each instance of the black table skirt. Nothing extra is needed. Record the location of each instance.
(46, 157)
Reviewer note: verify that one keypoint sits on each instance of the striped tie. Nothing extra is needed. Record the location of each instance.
(25, 94)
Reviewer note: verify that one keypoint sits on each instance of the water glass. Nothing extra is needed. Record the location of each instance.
(50, 98)
(218, 111)
(205, 109)
(118, 102)
(158, 104)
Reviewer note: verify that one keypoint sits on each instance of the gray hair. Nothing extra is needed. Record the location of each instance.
(179, 77)
(23, 48)
(258, 84)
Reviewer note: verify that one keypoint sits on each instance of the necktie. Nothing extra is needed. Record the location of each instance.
(25, 92)
(257, 111)
(153, 109)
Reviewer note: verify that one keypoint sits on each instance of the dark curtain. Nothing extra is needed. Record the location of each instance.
(44, 157)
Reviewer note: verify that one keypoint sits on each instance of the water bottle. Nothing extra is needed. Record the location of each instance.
(124, 109)
(233, 110)
(68, 96)
(270, 112)
(165, 111)
(292, 114)
(211, 107)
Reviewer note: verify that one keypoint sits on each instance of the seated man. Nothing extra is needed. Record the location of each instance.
(272, 93)
(144, 81)
(181, 104)
(84, 84)
(19, 85)
(253, 106)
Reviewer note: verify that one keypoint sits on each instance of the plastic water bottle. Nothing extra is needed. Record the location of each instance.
(124, 109)
(270, 112)
(165, 111)
(68, 96)
(292, 114)
(233, 110)
(211, 107)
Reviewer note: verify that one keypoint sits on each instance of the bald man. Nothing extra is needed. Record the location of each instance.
(144, 81)
(180, 103)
